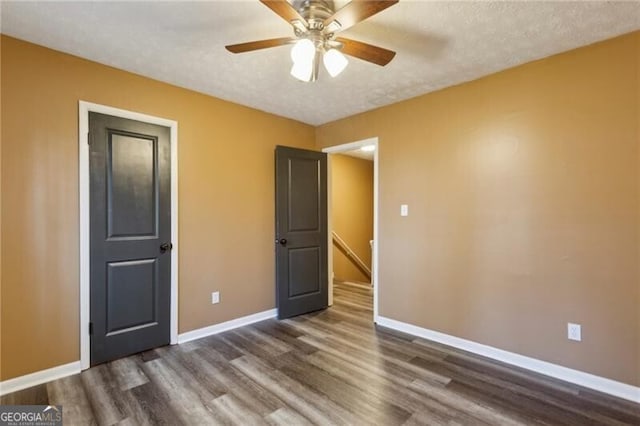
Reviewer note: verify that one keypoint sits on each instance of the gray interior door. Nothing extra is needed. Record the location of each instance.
(301, 231)
(130, 208)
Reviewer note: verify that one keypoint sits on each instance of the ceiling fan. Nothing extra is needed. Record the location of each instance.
(315, 24)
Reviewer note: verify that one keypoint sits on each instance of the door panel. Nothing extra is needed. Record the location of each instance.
(301, 231)
(131, 295)
(131, 176)
(303, 194)
(130, 209)
(303, 271)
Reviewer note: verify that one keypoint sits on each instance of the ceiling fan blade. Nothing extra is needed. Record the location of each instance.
(356, 11)
(284, 9)
(260, 44)
(366, 52)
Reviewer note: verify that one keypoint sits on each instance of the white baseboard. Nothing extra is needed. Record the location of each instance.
(601, 384)
(226, 326)
(39, 377)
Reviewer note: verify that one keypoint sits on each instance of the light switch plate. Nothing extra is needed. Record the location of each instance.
(215, 297)
(404, 210)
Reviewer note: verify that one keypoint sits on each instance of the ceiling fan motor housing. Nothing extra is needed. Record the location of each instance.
(315, 12)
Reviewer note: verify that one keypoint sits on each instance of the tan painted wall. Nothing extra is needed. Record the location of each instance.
(351, 213)
(523, 193)
(638, 183)
(226, 207)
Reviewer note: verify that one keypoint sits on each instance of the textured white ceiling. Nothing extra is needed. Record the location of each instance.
(438, 44)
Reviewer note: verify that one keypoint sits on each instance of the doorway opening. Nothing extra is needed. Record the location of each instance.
(352, 218)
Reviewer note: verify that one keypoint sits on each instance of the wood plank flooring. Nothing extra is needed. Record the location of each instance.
(329, 367)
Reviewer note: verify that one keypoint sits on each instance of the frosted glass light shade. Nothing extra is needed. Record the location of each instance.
(334, 61)
(303, 51)
(302, 70)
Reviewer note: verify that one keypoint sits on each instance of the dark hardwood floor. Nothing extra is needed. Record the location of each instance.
(329, 367)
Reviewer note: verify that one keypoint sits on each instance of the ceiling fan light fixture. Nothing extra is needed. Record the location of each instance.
(334, 61)
(303, 51)
(302, 70)
(315, 23)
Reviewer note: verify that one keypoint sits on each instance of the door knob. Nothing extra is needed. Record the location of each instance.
(283, 241)
(165, 246)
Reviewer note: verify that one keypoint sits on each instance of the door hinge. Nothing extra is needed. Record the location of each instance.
(90, 328)
(89, 138)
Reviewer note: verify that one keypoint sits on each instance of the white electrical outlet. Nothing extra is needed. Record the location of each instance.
(574, 332)
(215, 297)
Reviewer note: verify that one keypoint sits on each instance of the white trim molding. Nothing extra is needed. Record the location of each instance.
(601, 384)
(83, 171)
(376, 207)
(226, 326)
(39, 377)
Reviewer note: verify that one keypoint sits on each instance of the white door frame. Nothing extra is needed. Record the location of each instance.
(337, 149)
(83, 158)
